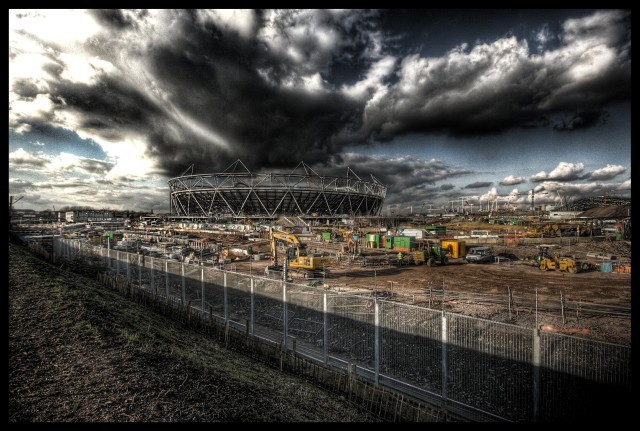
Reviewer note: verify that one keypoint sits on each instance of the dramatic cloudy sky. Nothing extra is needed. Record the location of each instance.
(440, 105)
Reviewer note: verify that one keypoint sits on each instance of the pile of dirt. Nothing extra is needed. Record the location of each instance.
(612, 212)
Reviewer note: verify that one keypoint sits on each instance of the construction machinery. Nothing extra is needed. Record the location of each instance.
(548, 262)
(479, 254)
(430, 252)
(299, 261)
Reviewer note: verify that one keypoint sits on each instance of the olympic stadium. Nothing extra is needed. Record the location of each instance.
(237, 192)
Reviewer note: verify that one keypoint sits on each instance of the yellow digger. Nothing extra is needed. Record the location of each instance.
(548, 262)
(298, 259)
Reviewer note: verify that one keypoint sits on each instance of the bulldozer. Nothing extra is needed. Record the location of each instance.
(548, 262)
(299, 261)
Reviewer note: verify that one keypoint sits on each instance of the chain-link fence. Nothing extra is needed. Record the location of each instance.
(477, 369)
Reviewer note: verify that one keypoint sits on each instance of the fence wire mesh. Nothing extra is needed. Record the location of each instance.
(486, 368)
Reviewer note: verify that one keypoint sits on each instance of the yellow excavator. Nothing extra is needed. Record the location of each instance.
(299, 261)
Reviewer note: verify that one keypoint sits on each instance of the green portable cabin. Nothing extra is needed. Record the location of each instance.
(438, 230)
(388, 242)
(326, 236)
(404, 243)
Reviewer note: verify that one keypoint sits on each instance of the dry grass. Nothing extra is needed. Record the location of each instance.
(81, 353)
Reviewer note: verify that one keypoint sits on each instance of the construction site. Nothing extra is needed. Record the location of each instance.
(419, 300)
(328, 232)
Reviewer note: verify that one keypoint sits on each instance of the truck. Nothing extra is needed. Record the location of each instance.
(479, 254)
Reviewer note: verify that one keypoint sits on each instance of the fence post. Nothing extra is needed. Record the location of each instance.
(564, 321)
(325, 327)
(152, 282)
(139, 270)
(184, 287)
(376, 341)
(118, 263)
(509, 293)
(128, 267)
(285, 319)
(202, 287)
(536, 374)
(166, 276)
(444, 363)
(251, 310)
(224, 296)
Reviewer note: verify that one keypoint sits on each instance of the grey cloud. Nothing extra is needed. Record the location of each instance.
(607, 173)
(193, 74)
(487, 89)
(511, 181)
(117, 18)
(478, 185)
(581, 120)
(25, 89)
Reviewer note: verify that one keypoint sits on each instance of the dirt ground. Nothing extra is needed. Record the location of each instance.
(470, 288)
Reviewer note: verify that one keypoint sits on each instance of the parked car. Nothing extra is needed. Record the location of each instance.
(479, 254)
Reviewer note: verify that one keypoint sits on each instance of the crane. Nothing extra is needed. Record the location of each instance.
(11, 202)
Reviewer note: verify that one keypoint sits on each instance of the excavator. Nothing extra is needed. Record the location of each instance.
(299, 261)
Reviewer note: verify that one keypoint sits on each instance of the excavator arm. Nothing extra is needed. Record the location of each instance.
(301, 261)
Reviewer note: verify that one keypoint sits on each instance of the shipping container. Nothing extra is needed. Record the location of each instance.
(456, 248)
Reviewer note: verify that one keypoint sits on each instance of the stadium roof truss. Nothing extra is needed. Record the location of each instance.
(301, 193)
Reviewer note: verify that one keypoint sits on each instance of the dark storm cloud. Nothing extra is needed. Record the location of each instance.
(581, 120)
(213, 77)
(116, 18)
(401, 172)
(26, 89)
(478, 185)
(93, 167)
(447, 187)
(407, 179)
(202, 91)
(489, 88)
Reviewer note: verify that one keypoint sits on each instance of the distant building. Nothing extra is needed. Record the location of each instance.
(96, 216)
(563, 215)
